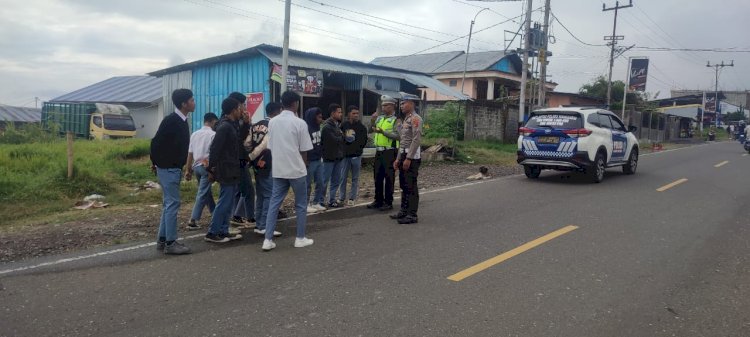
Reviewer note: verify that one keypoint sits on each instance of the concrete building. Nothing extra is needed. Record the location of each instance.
(489, 75)
(142, 95)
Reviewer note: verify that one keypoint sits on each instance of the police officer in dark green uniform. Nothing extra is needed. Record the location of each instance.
(386, 141)
(409, 159)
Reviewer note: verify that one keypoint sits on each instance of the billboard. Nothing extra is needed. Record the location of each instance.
(638, 74)
(255, 107)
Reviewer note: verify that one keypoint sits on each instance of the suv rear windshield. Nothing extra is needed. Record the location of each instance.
(555, 120)
(119, 123)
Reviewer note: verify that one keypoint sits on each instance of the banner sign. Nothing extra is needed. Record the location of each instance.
(307, 82)
(638, 75)
(255, 107)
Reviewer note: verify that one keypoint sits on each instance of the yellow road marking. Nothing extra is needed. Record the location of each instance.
(509, 254)
(722, 163)
(668, 186)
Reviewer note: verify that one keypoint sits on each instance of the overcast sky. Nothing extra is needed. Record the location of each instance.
(49, 48)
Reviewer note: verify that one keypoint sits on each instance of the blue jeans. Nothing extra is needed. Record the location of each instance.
(332, 175)
(223, 211)
(315, 174)
(280, 189)
(353, 165)
(170, 188)
(244, 196)
(204, 197)
(263, 190)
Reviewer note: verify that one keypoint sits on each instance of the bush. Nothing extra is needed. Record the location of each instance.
(27, 133)
(445, 122)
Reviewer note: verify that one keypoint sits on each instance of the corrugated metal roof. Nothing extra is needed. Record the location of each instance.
(322, 62)
(476, 62)
(448, 62)
(122, 89)
(20, 114)
(306, 60)
(425, 63)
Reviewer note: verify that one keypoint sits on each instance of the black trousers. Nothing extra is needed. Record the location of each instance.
(409, 189)
(384, 176)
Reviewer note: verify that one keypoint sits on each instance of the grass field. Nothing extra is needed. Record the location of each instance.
(34, 183)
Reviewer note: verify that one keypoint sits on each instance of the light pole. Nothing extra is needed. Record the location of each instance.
(463, 81)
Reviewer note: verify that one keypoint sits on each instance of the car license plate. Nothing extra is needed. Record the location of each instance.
(548, 140)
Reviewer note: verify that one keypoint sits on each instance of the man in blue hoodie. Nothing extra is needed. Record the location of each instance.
(314, 117)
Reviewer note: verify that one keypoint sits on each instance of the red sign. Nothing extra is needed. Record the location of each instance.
(254, 103)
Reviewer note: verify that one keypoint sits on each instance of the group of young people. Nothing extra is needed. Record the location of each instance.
(284, 151)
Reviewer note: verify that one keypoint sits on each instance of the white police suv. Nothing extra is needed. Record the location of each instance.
(588, 140)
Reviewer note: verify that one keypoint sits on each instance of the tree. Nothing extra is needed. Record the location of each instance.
(598, 88)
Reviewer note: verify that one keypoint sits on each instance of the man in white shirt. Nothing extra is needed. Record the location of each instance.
(289, 142)
(200, 143)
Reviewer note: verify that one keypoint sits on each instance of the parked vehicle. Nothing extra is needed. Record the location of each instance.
(90, 120)
(587, 140)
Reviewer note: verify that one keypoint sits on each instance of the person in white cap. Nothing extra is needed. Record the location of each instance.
(386, 139)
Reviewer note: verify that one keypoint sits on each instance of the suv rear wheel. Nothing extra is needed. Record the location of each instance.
(632, 164)
(596, 171)
(532, 171)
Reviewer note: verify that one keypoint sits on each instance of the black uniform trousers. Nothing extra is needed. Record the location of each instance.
(384, 176)
(409, 189)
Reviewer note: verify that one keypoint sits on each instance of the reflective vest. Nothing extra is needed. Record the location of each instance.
(387, 124)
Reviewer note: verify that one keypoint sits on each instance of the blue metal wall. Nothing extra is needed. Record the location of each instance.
(504, 65)
(212, 83)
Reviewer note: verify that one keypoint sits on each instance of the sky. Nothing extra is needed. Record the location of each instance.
(51, 47)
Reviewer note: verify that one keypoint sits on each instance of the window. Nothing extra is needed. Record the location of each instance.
(555, 120)
(119, 122)
(453, 83)
(617, 124)
(98, 121)
(605, 121)
(593, 119)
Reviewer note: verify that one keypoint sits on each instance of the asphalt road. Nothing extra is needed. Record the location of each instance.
(638, 262)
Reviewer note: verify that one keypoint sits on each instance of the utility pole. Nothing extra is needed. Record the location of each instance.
(613, 43)
(543, 56)
(717, 67)
(285, 52)
(36, 102)
(524, 70)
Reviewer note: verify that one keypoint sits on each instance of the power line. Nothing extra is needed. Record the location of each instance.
(573, 35)
(491, 10)
(709, 50)
(444, 43)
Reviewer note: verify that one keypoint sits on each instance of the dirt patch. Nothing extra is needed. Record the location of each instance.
(127, 224)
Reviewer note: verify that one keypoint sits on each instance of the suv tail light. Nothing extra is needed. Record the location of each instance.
(577, 133)
(525, 131)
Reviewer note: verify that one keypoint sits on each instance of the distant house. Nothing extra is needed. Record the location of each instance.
(558, 99)
(736, 98)
(488, 74)
(18, 115)
(142, 95)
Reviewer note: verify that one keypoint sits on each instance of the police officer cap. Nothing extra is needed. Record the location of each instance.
(409, 97)
(385, 99)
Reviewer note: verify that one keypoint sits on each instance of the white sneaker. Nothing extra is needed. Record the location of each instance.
(263, 232)
(311, 209)
(268, 245)
(302, 242)
(234, 231)
(350, 202)
(319, 207)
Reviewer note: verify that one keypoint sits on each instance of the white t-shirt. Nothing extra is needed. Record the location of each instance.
(287, 137)
(200, 143)
(747, 129)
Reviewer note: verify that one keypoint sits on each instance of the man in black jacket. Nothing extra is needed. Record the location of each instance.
(332, 143)
(244, 198)
(225, 169)
(169, 150)
(355, 138)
